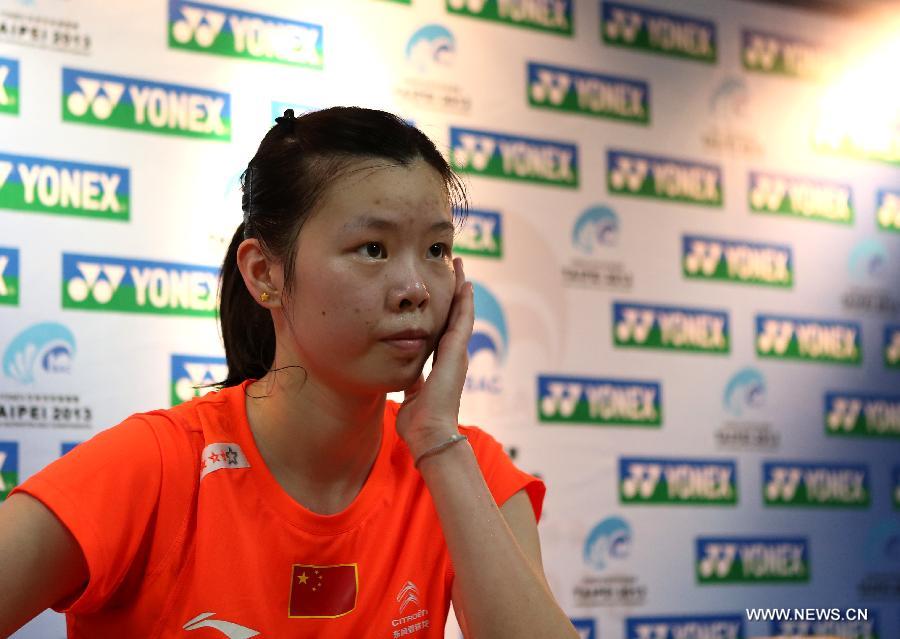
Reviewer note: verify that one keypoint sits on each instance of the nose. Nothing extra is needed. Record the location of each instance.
(409, 290)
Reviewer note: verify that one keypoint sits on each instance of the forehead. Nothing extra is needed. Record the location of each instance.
(412, 194)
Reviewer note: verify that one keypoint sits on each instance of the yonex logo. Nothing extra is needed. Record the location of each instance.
(717, 560)
(658, 32)
(472, 6)
(677, 481)
(635, 324)
(4, 262)
(684, 627)
(800, 197)
(629, 173)
(192, 376)
(515, 158)
(720, 259)
(474, 150)
(93, 282)
(230, 32)
(586, 400)
(862, 414)
(703, 257)
(642, 480)
(623, 24)
(98, 281)
(769, 53)
(768, 192)
(782, 484)
(775, 337)
(760, 51)
(670, 327)
(819, 340)
(663, 178)
(69, 188)
(481, 235)
(588, 93)
(4, 74)
(200, 25)
(892, 347)
(133, 103)
(100, 97)
(227, 628)
(844, 414)
(553, 16)
(550, 85)
(408, 596)
(888, 213)
(822, 484)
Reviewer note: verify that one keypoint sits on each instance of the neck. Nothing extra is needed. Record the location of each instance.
(318, 442)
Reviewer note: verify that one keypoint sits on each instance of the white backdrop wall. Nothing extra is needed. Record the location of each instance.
(686, 256)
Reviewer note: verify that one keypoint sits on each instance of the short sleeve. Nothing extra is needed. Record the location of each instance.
(502, 477)
(106, 492)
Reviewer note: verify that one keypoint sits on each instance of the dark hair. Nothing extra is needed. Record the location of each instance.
(297, 160)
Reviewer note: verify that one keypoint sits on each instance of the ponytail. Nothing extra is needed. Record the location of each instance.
(247, 329)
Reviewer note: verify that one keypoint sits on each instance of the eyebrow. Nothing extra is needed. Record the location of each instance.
(370, 222)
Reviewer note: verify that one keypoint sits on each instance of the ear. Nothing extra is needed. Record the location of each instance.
(261, 273)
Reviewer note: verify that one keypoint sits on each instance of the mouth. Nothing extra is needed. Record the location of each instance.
(408, 341)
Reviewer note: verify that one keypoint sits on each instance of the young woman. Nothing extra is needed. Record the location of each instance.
(297, 501)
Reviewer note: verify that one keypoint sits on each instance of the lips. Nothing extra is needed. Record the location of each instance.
(409, 341)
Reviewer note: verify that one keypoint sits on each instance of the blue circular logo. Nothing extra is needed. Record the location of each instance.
(489, 332)
(597, 226)
(47, 347)
(745, 390)
(609, 540)
(432, 45)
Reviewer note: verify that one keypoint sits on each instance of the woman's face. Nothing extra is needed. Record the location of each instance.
(372, 260)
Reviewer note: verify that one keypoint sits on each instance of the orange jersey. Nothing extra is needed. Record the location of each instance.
(187, 534)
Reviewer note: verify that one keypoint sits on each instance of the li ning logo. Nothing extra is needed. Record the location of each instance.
(145, 105)
(206, 28)
(93, 282)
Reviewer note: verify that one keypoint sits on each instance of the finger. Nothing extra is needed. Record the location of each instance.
(409, 393)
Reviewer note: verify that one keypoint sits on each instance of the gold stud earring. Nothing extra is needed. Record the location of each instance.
(264, 297)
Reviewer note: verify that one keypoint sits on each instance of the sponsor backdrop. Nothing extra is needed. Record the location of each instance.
(685, 244)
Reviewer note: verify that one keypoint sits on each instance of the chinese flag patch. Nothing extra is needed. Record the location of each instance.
(323, 591)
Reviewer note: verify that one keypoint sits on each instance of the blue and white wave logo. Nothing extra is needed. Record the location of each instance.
(489, 344)
(746, 390)
(431, 46)
(610, 540)
(597, 226)
(730, 98)
(46, 348)
(868, 261)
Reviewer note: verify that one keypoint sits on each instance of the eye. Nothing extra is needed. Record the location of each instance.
(374, 250)
(443, 250)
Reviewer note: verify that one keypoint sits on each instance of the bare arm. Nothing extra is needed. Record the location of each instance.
(499, 589)
(40, 562)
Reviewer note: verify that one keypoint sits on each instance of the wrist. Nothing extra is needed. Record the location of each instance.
(439, 449)
(421, 439)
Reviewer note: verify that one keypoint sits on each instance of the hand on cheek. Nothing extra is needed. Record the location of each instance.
(431, 408)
